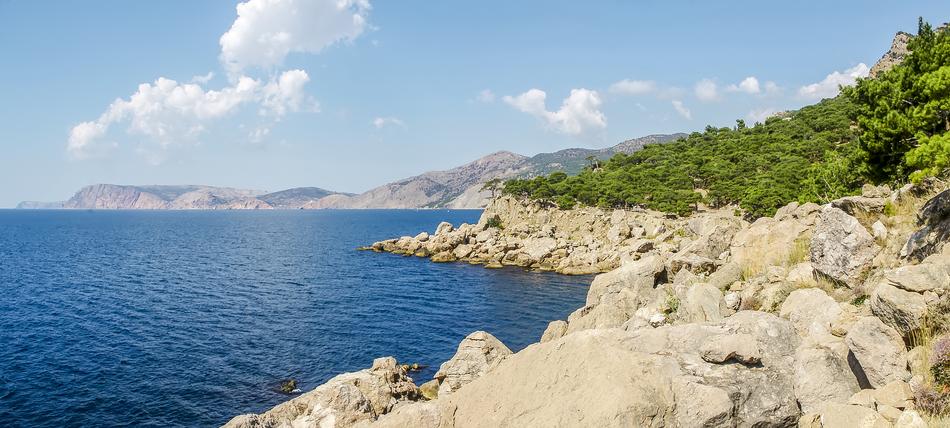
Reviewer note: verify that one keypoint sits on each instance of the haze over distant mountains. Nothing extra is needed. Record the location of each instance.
(458, 187)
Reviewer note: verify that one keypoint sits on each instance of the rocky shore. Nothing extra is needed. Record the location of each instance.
(820, 316)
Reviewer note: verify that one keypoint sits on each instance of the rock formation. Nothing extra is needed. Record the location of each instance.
(802, 319)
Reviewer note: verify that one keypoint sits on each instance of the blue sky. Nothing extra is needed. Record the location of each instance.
(305, 93)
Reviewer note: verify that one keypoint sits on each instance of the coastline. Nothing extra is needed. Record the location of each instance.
(776, 322)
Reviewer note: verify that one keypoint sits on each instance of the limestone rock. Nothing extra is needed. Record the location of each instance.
(555, 330)
(701, 303)
(476, 354)
(841, 248)
(834, 415)
(424, 414)
(902, 310)
(910, 419)
(878, 352)
(896, 394)
(810, 306)
(769, 241)
(822, 376)
(343, 401)
(934, 220)
(692, 262)
(723, 348)
(895, 55)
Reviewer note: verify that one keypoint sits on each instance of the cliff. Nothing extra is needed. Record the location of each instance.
(816, 317)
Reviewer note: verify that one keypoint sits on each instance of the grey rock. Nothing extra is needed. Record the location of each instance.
(841, 248)
(878, 352)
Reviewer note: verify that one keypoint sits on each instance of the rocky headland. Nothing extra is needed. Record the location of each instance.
(820, 316)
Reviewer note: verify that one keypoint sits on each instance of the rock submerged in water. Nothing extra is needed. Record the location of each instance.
(288, 386)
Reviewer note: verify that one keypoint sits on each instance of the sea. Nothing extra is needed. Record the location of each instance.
(188, 318)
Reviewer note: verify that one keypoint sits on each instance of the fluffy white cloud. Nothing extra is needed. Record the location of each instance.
(759, 115)
(579, 113)
(829, 86)
(381, 122)
(749, 85)
(168, 112)
(266, 31)
(682, 110)
(633, 87)
(706, 90)
(485, 96)
(771, 88)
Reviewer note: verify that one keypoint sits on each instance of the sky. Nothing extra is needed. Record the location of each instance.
(351, 94)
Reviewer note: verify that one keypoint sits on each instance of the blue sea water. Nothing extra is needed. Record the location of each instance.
(164, 318)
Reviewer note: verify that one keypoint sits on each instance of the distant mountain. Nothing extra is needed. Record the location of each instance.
(572, 161)
(297, 197)
(436, 189)
(459, 187)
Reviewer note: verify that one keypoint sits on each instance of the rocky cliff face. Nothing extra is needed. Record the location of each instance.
(895, 55)
(799, 319)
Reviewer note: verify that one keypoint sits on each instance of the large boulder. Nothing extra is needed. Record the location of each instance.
(900, 309)
(476, 354)
(808, 307)
(835, 415)
(934, 232)
(701, 303)
(770, 240)
(822, 376)
(877, 352)
(344, 401)
(655, 377)
(841, 248)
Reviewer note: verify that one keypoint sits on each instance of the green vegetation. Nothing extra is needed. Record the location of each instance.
(494, 221)
(904, 114)
(759, 168)
(811, 155)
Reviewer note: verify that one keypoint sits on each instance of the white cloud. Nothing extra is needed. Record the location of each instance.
(633, 87)
(759, 115)
(203, 79)
(771, 88)
(167, 112)
(706, 90)
(266, 31)
(682, 110)
(579, 113)
(381, 122)
(749, 85)
(829, 86)
(485, 96)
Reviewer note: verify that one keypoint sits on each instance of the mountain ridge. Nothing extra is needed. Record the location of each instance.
(454, 188)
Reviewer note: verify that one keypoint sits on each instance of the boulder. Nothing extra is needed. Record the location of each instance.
(641, 275)
(423, 414)
(896, 394)
(841, 248)
(723, 277)
(919, 278)
(701, 303)
(910, 419)
(822, 376)
(694, 263)
(902, 310)
(555, 330)
(769, 241)
(655, 377)
(444, 228)
(810, 306)
(834, 415)
(741, 348)
(877, 352)
(476, 354)
(343, 401)
(934, 222)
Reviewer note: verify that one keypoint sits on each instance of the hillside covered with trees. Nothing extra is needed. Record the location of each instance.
(884, 130)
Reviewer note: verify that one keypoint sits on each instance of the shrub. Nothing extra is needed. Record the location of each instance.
(672, 303)
(494, 221)
(940, 363)
(931, 401)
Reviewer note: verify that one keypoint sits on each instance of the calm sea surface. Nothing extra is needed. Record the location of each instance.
(188, 318)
